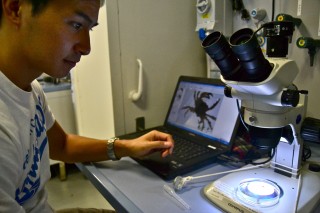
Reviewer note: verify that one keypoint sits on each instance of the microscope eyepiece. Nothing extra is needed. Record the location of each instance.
(218, 48)
(245, 45)
(241, 58)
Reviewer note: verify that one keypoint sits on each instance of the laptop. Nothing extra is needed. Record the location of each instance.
(203, 123)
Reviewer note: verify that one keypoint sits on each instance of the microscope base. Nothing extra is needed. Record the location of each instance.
(222, 192)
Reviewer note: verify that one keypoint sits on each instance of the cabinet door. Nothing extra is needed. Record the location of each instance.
(162, 35)
(61, 105)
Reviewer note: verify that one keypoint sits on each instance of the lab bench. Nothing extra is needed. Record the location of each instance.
(130, 187)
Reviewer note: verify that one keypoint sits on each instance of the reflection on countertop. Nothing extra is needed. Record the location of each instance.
(53, 85)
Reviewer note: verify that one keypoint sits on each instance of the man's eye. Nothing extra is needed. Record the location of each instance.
(77, 26)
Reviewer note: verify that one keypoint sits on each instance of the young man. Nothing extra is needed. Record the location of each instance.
(46, 36)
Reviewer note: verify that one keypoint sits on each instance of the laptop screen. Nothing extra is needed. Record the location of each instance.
(202, 109)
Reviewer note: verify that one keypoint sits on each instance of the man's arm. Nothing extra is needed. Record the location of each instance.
(73, 148)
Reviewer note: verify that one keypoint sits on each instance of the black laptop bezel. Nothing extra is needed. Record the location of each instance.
(195, 137)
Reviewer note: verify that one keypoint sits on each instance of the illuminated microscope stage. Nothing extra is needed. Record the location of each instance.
(276, 193)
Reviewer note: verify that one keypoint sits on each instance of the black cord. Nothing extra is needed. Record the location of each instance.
(306, 152)
(232, 159)
(306, 155)
(273, 1)
(238, 6)
(262, 26)
(268, 23)
(266, 161)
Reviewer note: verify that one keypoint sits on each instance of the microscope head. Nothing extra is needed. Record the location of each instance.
(239, 60)
(264, 86)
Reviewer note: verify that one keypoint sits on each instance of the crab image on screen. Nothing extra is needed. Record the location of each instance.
(201, 107)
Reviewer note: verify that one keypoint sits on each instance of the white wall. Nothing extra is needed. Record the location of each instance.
(91, 85)
(162, 35)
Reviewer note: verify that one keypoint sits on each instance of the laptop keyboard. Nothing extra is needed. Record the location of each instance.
(186, 150)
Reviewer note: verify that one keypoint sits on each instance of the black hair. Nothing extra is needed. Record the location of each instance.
(37, 6)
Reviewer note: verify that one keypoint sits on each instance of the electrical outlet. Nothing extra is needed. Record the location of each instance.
(140, 124)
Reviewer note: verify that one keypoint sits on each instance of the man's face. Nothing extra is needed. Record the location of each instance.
(55, 39)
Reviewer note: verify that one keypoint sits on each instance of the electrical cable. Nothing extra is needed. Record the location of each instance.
(238, 6)
(306, 152)
(264, 162)
(273, 1)
(228, 159)
(262, 26)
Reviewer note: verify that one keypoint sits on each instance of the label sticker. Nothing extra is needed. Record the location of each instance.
(319, 26)
(299, 7)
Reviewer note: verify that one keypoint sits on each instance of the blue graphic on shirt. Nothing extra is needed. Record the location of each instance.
(32, 182)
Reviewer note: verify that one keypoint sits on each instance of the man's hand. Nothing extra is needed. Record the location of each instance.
(151, 142)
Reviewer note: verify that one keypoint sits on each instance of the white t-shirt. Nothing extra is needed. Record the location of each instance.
(24, 150)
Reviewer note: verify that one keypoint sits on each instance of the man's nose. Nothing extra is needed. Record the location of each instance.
(84, 46)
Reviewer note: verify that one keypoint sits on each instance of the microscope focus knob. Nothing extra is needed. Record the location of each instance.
(253, 119)
(290, 98)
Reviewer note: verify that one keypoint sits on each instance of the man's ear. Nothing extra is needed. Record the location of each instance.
(11, 10)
